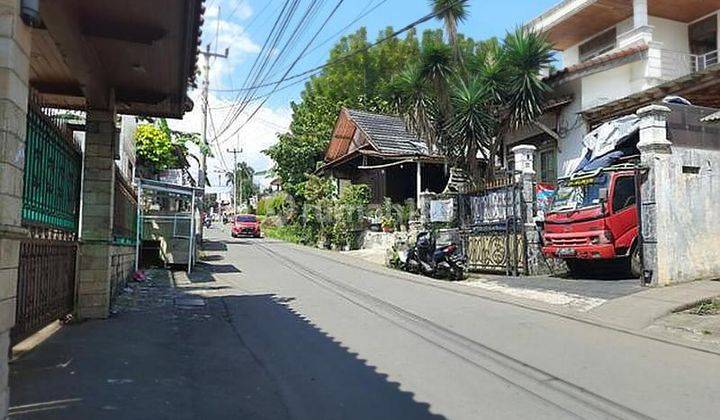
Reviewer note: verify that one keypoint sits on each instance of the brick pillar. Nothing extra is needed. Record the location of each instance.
(97, 216)
(655, 152)
(15, 44)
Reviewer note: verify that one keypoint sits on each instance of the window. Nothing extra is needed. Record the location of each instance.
(246, 218)
(598, 45)
(703, 36)
(548, 167)
(624, 195)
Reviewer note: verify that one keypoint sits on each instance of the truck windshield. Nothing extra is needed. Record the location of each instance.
(577, 194)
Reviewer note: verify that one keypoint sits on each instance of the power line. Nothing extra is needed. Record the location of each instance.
(343, 57)
(307, 46)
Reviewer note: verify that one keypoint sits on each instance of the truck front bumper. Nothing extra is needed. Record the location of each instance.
(585, 252)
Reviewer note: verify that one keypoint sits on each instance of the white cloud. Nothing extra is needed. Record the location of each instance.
(256, 136)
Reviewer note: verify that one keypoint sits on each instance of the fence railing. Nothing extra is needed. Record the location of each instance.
(124, 212)
(673, 64)
(51, 193)
(50, 210)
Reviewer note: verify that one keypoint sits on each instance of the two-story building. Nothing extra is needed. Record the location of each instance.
(617, 56)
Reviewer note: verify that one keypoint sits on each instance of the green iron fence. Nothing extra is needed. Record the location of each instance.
(124, 212)
(50, 210)
(51, 195)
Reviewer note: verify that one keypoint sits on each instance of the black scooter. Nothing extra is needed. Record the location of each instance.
(426, 258)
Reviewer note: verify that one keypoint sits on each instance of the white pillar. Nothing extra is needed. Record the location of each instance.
(655, 155)
(641, 31)
(640, 13)
(524, 159)
(418, 182)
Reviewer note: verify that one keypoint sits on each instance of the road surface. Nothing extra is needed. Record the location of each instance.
(267, 330)
(341, 341)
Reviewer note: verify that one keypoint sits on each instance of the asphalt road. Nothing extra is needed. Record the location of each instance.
(267, 330)
(340, 341)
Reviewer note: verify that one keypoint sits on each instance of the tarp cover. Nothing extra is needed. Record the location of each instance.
(609, 142)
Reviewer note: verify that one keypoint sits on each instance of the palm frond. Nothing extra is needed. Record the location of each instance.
(525, 54)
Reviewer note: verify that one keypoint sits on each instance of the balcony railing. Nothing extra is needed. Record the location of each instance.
(669, 65)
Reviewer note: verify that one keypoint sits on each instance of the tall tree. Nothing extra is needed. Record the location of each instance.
(451, 12)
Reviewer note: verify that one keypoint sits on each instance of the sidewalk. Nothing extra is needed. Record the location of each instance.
(165, 353)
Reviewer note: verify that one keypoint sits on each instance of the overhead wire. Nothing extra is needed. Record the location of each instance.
(307, 46)
(345, 56)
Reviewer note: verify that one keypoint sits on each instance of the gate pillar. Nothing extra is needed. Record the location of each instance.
(655, 153)
(15, 43)
(97, 216)
(525, 177)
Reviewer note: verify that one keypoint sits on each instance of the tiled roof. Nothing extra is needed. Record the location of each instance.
(388, 134)
(712, 118)
(597, 61)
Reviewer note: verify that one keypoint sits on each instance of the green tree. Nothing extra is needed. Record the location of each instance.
(359, 81)
(244, 174)
(155, 150)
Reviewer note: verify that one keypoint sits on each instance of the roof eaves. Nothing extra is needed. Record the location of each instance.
(630, 52)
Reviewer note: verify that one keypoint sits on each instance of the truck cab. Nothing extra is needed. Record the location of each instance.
(594, 216)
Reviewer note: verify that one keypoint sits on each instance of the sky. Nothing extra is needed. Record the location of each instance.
(242, 26)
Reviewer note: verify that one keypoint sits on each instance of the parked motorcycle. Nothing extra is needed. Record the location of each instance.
(428, 259)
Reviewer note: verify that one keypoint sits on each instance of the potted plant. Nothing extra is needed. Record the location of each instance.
(388, 224)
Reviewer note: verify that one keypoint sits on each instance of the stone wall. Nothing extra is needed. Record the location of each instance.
(122, 266)
(15, 46)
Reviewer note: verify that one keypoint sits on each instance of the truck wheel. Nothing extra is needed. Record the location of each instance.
(635, 265)
(575, 267)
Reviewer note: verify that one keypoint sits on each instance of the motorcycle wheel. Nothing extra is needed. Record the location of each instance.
(457, 274)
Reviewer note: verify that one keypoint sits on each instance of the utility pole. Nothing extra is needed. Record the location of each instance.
(235, 152)
(205, 110)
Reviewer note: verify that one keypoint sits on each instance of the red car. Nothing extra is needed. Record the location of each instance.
(246, 225)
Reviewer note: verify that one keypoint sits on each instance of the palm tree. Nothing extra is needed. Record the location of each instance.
(411, 96)
(451, 12)
(505, 93)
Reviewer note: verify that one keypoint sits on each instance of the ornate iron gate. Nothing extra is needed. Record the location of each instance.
(492, 227)
(51, 198)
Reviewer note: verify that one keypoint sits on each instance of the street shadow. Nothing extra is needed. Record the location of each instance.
(239, 242)
(213, 245)
(233, 354)
(214, 257)
(221, 268)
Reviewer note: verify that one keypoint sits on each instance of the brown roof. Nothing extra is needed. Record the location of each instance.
(598, 61)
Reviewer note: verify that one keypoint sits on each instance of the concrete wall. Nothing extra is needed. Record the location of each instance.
(687, 216)
(679, 197)
(609, 85)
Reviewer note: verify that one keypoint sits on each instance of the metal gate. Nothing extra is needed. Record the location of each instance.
(50, 208)
(492, 227)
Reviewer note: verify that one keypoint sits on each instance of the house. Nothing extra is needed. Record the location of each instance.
(70, 55)
(618, 56)
(379, 151)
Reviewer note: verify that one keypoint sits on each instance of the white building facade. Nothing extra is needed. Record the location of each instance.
(617, 56)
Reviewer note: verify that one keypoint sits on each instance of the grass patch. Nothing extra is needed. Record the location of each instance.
(707, 307)
(288, 233)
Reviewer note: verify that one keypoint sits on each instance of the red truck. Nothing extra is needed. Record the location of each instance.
(594, 216)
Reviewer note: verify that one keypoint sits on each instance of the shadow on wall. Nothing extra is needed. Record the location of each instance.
(233, 357)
